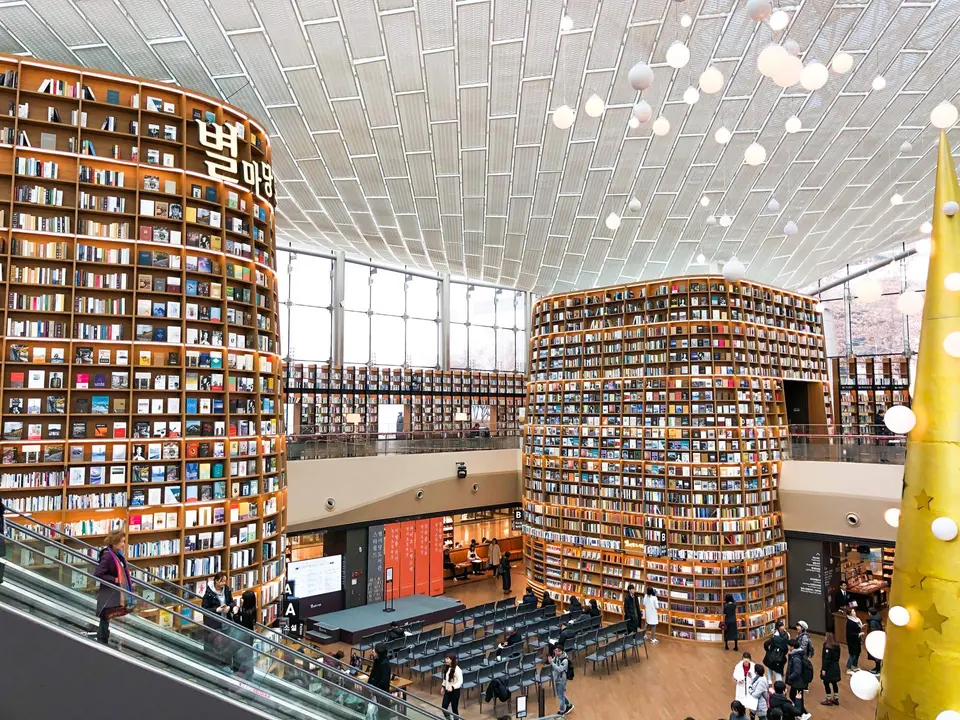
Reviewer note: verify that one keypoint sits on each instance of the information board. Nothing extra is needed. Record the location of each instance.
(317, 576)
(375, 564)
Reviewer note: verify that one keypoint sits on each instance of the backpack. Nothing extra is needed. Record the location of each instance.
(570, 671)
(874, 623)
(807, 668)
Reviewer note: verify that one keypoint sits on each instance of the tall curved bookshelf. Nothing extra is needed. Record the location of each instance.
(142, 374)
(655, 429)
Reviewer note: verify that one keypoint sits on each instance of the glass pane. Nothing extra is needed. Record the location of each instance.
(915, 268)
(482, 348)
(309, 334)
(876, 328)
(458, 303)
(506, 309)
(386, 293)
(356, 287)
(423, 298)
(386, 336)
(521, 352)
(482, 311)
(506, 350)
(521, 311)
(836, 326)
(310, 281)
(283, 277)
(458, 346)
(356, 338)
(283, 313)
(423, 343)
(914, 322)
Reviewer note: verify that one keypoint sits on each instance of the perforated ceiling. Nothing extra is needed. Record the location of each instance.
(419, 132)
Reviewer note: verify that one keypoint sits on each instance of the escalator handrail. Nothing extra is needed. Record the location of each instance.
(263, 637)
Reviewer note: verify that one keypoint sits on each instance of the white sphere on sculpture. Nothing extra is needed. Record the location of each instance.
(779, 21)
(841, 63)
(771, 58)
(864, 685)
(952, 282)
(793, 124)
(722, 135)
(733, 270)
(944, 528)
(640, 76)
(711, 80)
(691, 95)
(814, 76)
(892, 517)
(949, 715)
(944, 115)
(910, 302)
(661, 126)
(759, 10)
(613, 221)
(634, 205)
(594, 106)
(755, 154)
(642, 111)
(563, 117)
(898, 614)
(950, 208)
(678, 55)
(951, 344)
(876, 643)
(899, 419)
(773, 206)
(790, 229)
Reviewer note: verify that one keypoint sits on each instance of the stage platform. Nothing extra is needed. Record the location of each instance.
(351, 626)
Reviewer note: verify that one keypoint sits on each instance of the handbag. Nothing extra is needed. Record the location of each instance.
(750, 702)
(115, 612)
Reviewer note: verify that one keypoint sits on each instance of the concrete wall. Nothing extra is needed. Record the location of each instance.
(369, 489)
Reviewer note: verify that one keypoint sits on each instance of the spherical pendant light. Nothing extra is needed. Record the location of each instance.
(790, 229)
(867, 290)
(755, 154)
(899, 615)
(926, 227)
(950, 208)
(773, 206)
(793, 124)
(792, 47)
(613, 221)
(770, 59)
(594, 106)
(876, 643)
(633, 123)
(779, 20)
(896, 199)
(899, 419)
(711, 80)
(759, 10)
(704, 201)
(865, 685)
(686, 21)
(701, 259)
(892, 517)
(906, 147)
(711, 220)
(566, 23)
(634, 205)
(841, 63)
(910, 302)
(661, 126)
(640, 76)
(642, 111)
(814, 76)
(789, 71)
(726, 221)
(678, 55)
(924, 247)
(733, 270)
(563, 117)
(879, 82)
(722, 135)
(943, 116)
(691, 96)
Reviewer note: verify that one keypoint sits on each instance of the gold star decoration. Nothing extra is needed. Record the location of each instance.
(932, 619)
(924, 650)
(923, 500)
(909, 706)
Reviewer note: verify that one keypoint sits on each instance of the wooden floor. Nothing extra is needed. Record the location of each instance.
(680, 679)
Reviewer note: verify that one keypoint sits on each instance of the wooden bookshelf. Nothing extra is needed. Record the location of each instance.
(325, 395)
(866, 386)
(142, 379)
(652, 450)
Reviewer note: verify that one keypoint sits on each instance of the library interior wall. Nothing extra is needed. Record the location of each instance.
(371, 489)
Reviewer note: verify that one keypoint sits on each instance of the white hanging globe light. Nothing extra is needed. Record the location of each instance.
(566, 23)
(944, 528)
(910, 302)
(789, 71)
(759, 10)
(773, 206)
(594, 106)
(779, 21)
(814, 76)
(642, 111)
(711, 220)
(793, 124)
(899, 419)
(726, 221)
(841, 63)
(790, 229)
(943, 115)
(704, 201)
(661, 126)
(563, 117)
(950, 208)
(924, 246)
(633, 123)
(701, 259)
(634, 205)
(892, 517)
(952, 282)
(733, 270)
(792, 47)
(867, 290)
(906, 147)
(879, 82)
(691, 95)
(949, 715)
(926, 227)
(876, 643)
(613, 221)
(722, 135)
(898, 615)
(678, 55)
(864, 685)
(755, 154)
(951, 344)
(770, 59)
(711, 80)
(686, 21)
(640, 76)
(896, 199)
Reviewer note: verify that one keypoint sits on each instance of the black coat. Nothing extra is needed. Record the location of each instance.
(777, 647)
(211, 602)
(529, 599)
(575, 606)
(787, 707)
(108, 596)
(830, 664)
(795, 671)
(380, 674)
(505, 578)
(841, 599)
(853, 637)
(730, 631)
(547, 600)
(631, 609)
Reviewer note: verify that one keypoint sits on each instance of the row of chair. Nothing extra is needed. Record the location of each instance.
(412, 630)
(487, 612)
(613, 650)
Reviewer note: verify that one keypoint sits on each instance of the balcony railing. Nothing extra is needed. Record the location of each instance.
(847, 443)
(344, 445)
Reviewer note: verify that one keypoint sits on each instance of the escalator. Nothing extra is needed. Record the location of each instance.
(49, 582)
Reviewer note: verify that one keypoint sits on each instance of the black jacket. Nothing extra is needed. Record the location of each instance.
(631, 608)
(575, 606)
(777, 647)
(547, 600)
(594, 611)
(795, 671)
(830, 664)
(568, 633)
(841, 599)
(514, 638)
(108, 596)
(380, 674)
(211, 602)
(529, 599)
(853, 637)
(788, 708)
(730, 631)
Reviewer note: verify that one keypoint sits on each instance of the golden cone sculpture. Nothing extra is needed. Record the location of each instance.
(921, 663)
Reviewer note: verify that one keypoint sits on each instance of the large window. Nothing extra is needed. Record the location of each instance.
(486, 328)
(305, 291)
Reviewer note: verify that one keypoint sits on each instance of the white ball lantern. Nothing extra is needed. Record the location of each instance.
(711, 80)
(790, 229)
(722, 135)
(634, 205)
(906, 147)
(792, 47)
(868, 290)
(733, 270)
(759, 10)
(594, 106)
(944, 528)
(950, 208)
(951, 344)
(779, 21)
(814, 76)
(773, 206)
(691, 96)
(770, 59)
(612, 221)
(892, 517)
(865, 685)
(910, 302)
(927, 227)
(896, 199)
(711, 220)
(563, 117)
(793, 124)
(877, 643)
(949, 715)
(704, 201)
(952, 282)
(924, 246)
(661, 126)
(726, 221)
(633, 123)
(755, 154)
(642, 111)
(841, 63)
(640, 76)
(789, 71)
(898, 614)
(899, 419)
(943, 115)
(701, 259)
(566, 23)
(685, 21)
(678, 55)
(879, 82)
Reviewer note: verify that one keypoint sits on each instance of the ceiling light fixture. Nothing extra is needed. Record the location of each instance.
(563, 117)
(790, 229)
(661, 126)
(704, 201)
(910, 302)
(792, 47)
(612, 221)
(759, 10)
(566, 23)
(711, 80)
(634, 205)
(734, 270)
(867, 290)
(814, 76)
(726, 221)
(841, 63)
(691, 95)
(640, 76)
(896, 199)
(701, 259)
(773, 206)
(678, 55)
(686, 21)
(755, 154)
(642, 111)
(926, 228)
(906, 147)
(594, 106)
(789, 71)
(779, 21)
(770, 59)
(879, 82)
(633, 123)
(793, 124)
(711, 220)
(943, 116)
(722, 135)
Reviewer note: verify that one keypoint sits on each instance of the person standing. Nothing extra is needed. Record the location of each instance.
(803, 638)
(559, 667)
(450, 685)
(651, 614)
(737, 711)
(730, 629)
(841, 598)
(854, 640)
(380, 670)
(781, 704)
(218, 599)
(494, 555)
(796, 677)
(758, 689)
(743, 675)
(113, 595)
(245, 615)
(631, 610)
(506, 580)
(874, 624)
(830, 669)
(776, 648)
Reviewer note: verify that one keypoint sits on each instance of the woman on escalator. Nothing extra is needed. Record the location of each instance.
(245, 615)
(113, 595)
(218, 599)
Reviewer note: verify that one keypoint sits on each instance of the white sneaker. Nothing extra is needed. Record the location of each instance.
(654, 641)
(851, 672)
(806, 716)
